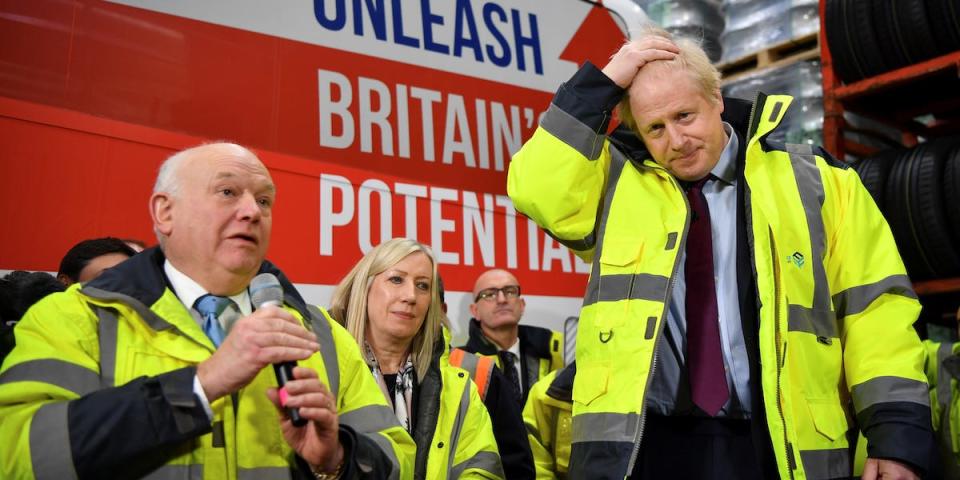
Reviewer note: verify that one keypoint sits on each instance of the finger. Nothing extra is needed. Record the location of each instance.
(273, 394)
(646, 56)
(284, 339)
(273, 313)
(870, 469)
(660, 43)
(277, 324)
(325, 418)
(311, 400)
(306, 385)
(277, 354)
(301, 373)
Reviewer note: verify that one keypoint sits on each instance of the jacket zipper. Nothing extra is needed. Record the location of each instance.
(781, 354)
(656, 345)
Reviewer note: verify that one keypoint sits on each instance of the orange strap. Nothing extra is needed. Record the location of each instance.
(456, 357)
(484, 371)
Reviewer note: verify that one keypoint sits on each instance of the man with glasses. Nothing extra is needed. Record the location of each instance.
(524, 352)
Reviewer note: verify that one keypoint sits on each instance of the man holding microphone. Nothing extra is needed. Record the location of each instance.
(159, 367)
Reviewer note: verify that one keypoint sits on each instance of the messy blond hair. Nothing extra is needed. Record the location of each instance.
(691, 58)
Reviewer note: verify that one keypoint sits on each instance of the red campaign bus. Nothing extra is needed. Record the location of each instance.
(376, 118)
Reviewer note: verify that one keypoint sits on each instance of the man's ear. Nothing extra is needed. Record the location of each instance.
(161, 210)
(473, 310)
(719, 97)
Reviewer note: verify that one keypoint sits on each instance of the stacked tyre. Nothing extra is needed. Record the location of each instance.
(869, 37)
(918, 191)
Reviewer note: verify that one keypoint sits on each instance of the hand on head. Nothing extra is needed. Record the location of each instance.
(268, 335)
(633, 55)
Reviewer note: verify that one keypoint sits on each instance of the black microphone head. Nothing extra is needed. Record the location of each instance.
(265, 289)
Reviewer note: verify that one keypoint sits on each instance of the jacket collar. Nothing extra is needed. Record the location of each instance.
(140, 279)
(533, 341)
(561, 388)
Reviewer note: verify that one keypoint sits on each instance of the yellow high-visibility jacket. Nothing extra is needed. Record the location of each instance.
(100, 385)
(835, 306)
(460, 443)
(943, 373)
(541, 351)
(505, 413)
(547, 416)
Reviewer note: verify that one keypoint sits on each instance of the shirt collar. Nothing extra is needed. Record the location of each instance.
(515, 348)
(188, 291)
(726, 167)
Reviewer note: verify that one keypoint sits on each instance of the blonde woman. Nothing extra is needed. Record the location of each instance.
(390, 304)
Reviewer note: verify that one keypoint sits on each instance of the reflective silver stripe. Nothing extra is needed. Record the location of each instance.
(66, 375)
(486, 461)
(50, 452)
(458, 427)
(605, 427)
(148, 316)
(177, 472)
(585, 243)
(641, 286)
(265, 473)
(387, 447)
(371, 418)
(107, 329)
(468, 362)
(825, 464)
(889, 389)
(588, 143)
(945, 395)
(944, 392)
(821, 323)
(810, 187)
(855, 300)
(593, 287)
(573, 132)
(328, 348)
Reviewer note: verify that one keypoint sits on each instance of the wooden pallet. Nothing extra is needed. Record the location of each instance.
(795, 50)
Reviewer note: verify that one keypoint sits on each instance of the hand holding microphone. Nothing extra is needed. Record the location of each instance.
(268, 336)
(265, 290)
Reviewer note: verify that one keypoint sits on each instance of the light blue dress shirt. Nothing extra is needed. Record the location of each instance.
(670, 391)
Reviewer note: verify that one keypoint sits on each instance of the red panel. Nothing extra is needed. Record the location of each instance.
(94, 95)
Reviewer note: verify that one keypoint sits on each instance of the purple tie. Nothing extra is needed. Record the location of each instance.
(708, 382)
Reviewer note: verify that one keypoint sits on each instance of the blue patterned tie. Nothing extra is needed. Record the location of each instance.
(211, 306)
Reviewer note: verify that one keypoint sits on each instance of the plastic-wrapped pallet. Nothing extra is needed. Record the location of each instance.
(700, 20)
(803, 122)
(753, 25)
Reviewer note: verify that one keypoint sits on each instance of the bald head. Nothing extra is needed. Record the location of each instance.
(491, 277)
(497, 302)
(211, 209)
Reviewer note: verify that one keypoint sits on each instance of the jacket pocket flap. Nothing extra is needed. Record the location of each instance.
(828, 418)
(621, 251)
(590, 383)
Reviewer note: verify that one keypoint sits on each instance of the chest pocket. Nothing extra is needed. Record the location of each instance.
(621, 254)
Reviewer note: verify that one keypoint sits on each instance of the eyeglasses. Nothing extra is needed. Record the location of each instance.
(488, 294)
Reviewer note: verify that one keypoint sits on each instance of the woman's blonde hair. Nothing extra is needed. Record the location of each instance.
(691, 58)
(349, 303)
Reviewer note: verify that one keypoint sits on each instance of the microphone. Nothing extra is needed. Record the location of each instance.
(265, 290)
